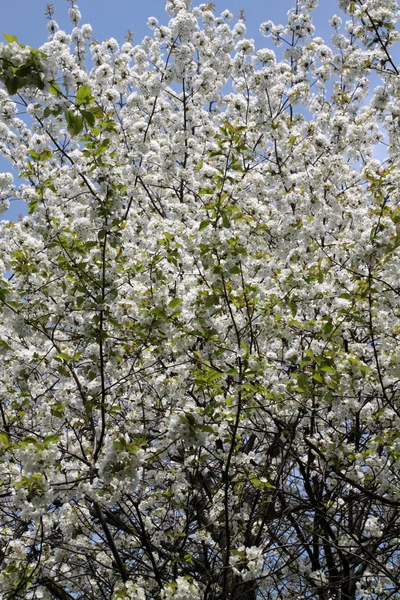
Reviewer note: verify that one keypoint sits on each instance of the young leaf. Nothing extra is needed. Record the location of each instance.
(10, 38)
(83, 95)
(74, 123)
(204, 224)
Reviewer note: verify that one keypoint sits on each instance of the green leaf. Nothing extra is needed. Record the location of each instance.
(235, 270)
(328, 369)
(329, 327)
(175, 302)
(211, 300)
(216, 153)
(58, 410)
(302, 382)
(32, 206)
(34, 154)
(22, 71)
(318, 377)
(240, 553)
(225, 220)
(255, 481)
(10, 38)
(54, 88)
(74, 123)
(89, 118)
(28, 440)
(103, 147)
(96, 112)
(57, 111)
(232, 372)
(4, 345)
(45, 155)
(261, 484)
(35, 52)
(190, 419)
(211, 375)
(229, 126)
(51, 439)
(4, 439)
(12, 84)
(83, 95)
(268, 485)
(204, 224)
(293, 307)
(195, 332)
(206, 428)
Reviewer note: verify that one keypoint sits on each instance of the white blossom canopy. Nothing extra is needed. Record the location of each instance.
(200, 317)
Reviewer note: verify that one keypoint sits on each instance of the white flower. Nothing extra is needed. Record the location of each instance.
(152, 22)
(227, 15)
(372, 527)
(111, 44)
(74, 15)
(6, 181)
(86, 30)
(265, 28)
(52, 27)
(239, 30)
(181, 589)
(39, 142)
(319, 577)
(246, 46)
(112, 94)
(335, 21)
(103, 73)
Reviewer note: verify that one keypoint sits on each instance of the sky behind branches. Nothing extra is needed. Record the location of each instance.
(26, 20)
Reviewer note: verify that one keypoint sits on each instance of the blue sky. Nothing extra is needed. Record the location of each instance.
(25, 19)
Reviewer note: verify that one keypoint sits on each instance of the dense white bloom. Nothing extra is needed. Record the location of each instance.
(152, 22)
(239, 30)
(181, 590)
(86, 30)
(265, 28)
(74, 15)
(6, 181)
(335, 21)
(200, 321)
(52, 27)
(227, 15)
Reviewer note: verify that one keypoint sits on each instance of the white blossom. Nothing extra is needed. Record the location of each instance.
(199, 313)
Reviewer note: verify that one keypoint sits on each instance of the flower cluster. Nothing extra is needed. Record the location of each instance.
(200, 319)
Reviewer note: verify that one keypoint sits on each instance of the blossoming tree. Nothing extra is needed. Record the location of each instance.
(200, 319)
